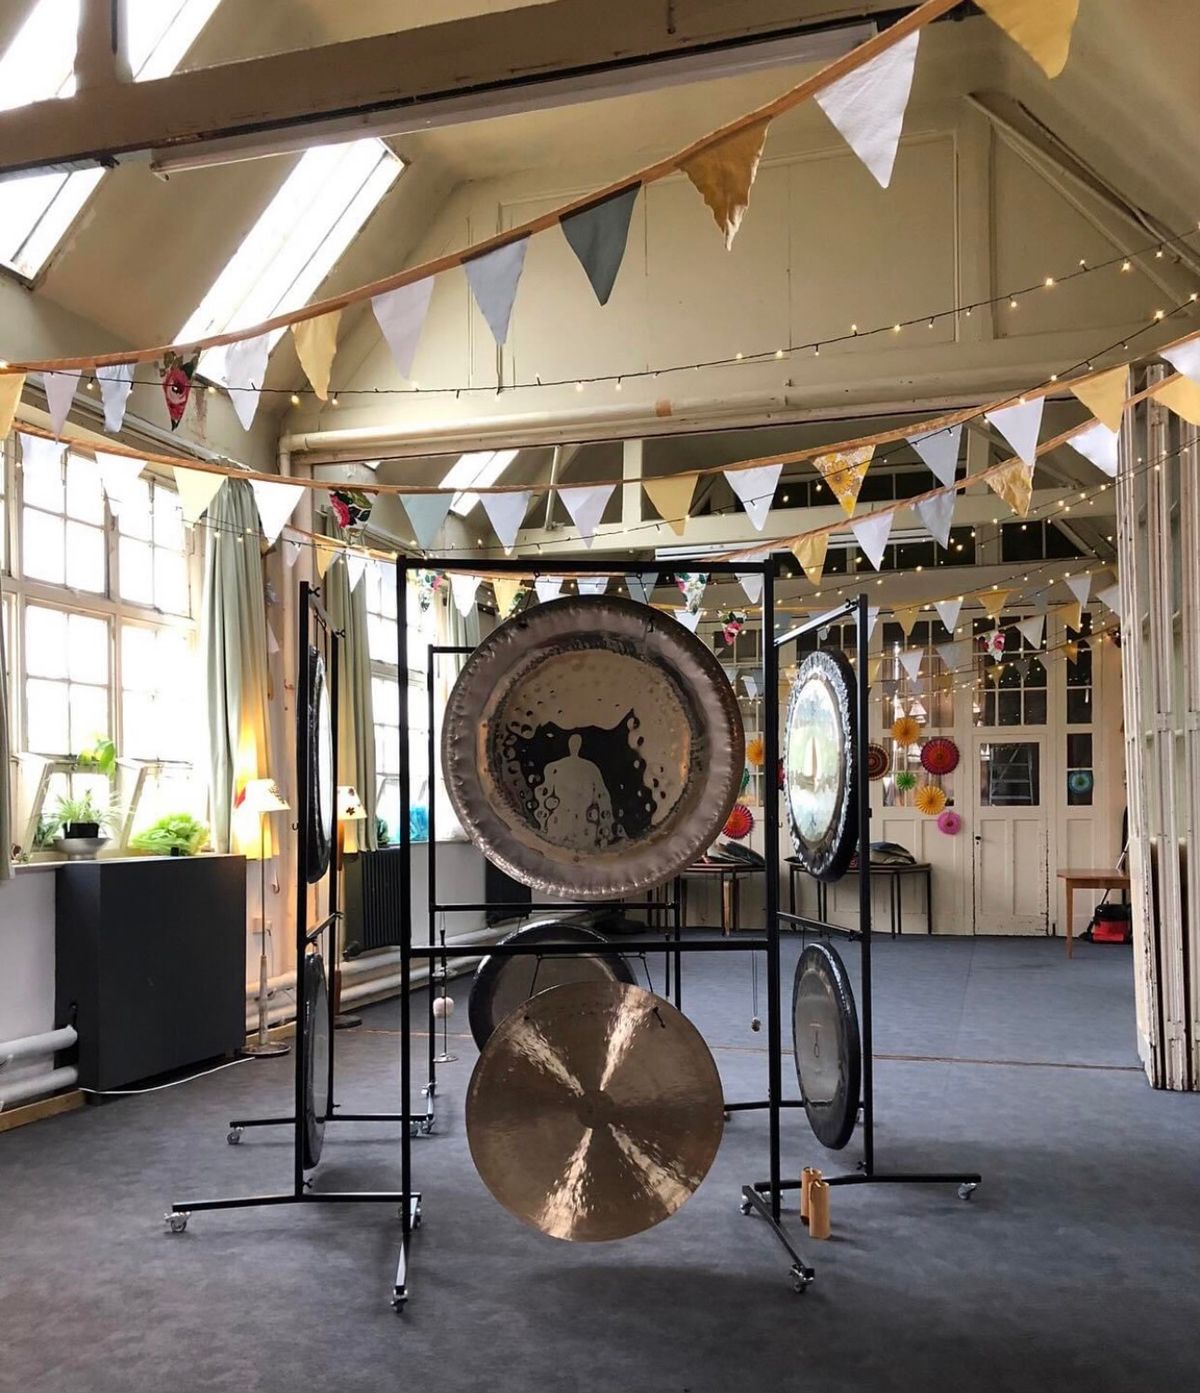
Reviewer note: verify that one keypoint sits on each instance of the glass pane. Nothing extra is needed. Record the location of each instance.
(170, 582)
(388, 807)
(1009, 708)
(89, 715)
(87, 568)
(45, 642)
(134, 518)
(381, 639)
(87, 649)
(139, 712)
(168, 519)
(137, 658)
(42, 547)
(1079, 751)
(137, 571)
(1035, 706)
(85, 498)
(46, 717)
(1079, 706)
(43, 478)
(1009, 775)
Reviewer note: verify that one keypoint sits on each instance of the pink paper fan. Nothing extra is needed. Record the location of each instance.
(950, 823)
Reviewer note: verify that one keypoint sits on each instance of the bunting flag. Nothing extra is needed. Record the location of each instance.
(116, 382)
(671, 496)
(548, 588)
(493, 278)
(12, 384)
(598, 235)
(872, 533)
(910, 661)
(750, 682)
(730, 673)
(872, 616)
(752, 584)
(844, 471)
(463, 588)
(867, 105)
(427, 512)
(642, 587)
(947, 611)
(937, 515)
(1080, 587)
(591, 585)
(1184, 358)
(291, 552)
(1033, 630)
(755, 489)
(1072, 651)
(506, 512)
(1042, 28)
(810, 552)
(1023, 667)
(1098, 445)
(723, 175)
(1020, 425)
(1014, 484)
(586, 506)
(60, 388)
(401, 315)
(874, 667)
(1072, 615)
(118, 474)
(245, 368)
(316, 343)
(326, 553)
(272, 642)
(1111, 596)
(276, 503)
(688, 618)
(939, 452)
(906, 617)
(1182, 396)
(993, 601)
(177, 374)
(955, 655)
(196, 489)
(356, 568)
(506, 591)
(1104, 395)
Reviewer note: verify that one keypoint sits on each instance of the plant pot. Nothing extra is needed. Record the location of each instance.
(76, 830)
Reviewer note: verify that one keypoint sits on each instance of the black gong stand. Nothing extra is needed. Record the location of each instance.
(866, 1174)
(673, 946)
(314, 629)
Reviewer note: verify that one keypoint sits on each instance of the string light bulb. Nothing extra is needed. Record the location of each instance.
(295, 399)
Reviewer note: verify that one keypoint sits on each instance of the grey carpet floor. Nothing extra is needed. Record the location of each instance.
(1072, 1268)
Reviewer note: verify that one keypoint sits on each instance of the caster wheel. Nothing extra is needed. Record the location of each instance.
(176, 1223)
(416, 1222)
(398, 1300)
(745, 1206)
(233, 1136)
(427, 1127)
(967, 1189)
(801, 1281)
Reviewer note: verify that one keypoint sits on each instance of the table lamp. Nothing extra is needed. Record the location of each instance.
(262, 796)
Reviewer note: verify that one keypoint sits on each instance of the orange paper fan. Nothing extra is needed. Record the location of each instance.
(929, 800)
(906, 731)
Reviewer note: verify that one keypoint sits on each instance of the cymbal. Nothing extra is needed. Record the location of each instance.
(595, 1111)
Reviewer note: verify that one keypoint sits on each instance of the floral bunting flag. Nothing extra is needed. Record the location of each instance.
(672, 498)
(351, 507)
(1042, 28)
(844, 471)
(1103, 394)
(867, 105)
(1014, 484)
(723, 174)
(693, 586)
(316, 343)
(176, 374)
(116, 382)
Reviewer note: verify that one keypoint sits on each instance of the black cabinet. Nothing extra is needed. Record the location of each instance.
(151, 963)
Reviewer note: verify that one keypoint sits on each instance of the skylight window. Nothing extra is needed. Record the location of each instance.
(480, 469)
(39, 64)
(313, 218)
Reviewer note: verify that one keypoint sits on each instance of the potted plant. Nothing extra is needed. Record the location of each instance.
(82, 824)
(175, 834)
(100, 755)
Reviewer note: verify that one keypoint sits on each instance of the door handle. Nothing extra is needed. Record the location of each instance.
(978, 839)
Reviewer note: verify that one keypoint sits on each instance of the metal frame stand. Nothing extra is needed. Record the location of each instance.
(866, 1174)
(673, 947)
(311, 612)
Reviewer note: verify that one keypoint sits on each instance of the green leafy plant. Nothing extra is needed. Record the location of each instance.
(175, 834)
(381, 832)
(100, 755)
(86, 811)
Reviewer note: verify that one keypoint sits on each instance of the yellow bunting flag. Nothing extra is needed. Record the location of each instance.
(993, 601)
(723, 174)
(1072, 651)
(1014, 484)
(1182, 396)
(1072, 615)
(1104, 395)
(326, 552)
(316, 343)
(11, 386)
(844, 471)
(672, 496)
(874, 668)
(1041, 27)
(810, 552)
(506, 590)
(906, 617)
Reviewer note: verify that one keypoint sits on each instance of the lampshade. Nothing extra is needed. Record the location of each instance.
(262, 796)
(349, 804)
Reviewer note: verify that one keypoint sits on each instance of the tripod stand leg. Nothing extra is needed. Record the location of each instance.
(801, 1274)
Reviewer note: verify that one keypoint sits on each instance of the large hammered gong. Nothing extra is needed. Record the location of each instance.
(592, 747)
(818, 765)
(317, 819)
(826, 1045)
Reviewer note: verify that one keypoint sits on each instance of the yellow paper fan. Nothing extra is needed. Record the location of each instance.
(929, 800)
(756, 752)
(906, 731)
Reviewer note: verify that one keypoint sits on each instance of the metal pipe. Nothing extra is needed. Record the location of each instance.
(22, 1090)
(29, 1046)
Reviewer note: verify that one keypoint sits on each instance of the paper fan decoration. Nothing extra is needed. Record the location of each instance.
(745, 778)
(906, 780)
(906, 731)
(739, 823)
(878, 761)
(1080, 781)
(950, 823)
(756, 752)
(929, 800)
(939, 756)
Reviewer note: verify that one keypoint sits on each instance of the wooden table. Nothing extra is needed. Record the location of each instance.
(893, 872)
(1077, 879)
(731, 874)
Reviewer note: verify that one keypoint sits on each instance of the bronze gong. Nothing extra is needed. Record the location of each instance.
(595, 1111)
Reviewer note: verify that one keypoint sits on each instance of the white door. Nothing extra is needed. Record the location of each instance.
(1011, 793)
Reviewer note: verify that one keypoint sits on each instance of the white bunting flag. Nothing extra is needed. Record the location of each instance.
(38, 453)
(910, 661)
(750, 682)
(401, 317)
(356, 568)
(872, 616)
(506, 512)
(752, 583)
(872, 533)
(939, 452)
(426, 512)
(1111, 596)
(548, 588)
(245, 368)
(755, 489)
(116, 382)
(867, 106)
(955, 655)
(196, 489)
(642, 587)
(493, 279)
(1184, 358)
(688, 620)
(1032, 630)
(463, 588)
(118, 475)
(1020, 425)
(586, 506)
(1098, 444)
(592, 585)
(1080, 587)
(60, 393)
(272, 642)
(291, 552)
(276, 503)
(937, 515)
(730, 671)
(947, 612)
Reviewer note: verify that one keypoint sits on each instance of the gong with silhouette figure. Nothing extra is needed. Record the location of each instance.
(826, 1045)
(592, 747)
(818, 762)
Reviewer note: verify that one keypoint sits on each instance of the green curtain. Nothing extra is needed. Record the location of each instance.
(5, 828)
(356, 712)
(233, 637)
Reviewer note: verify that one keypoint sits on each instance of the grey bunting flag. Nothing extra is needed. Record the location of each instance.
(598, 234)
(493, 279)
